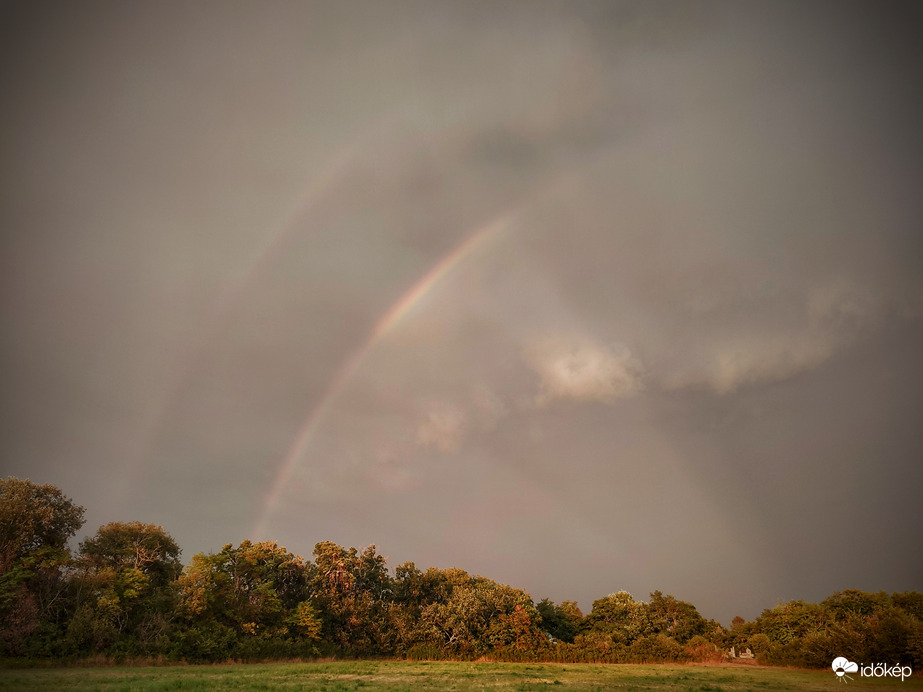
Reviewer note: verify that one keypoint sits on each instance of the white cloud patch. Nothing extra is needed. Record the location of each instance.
(583, 370)
(443, 427)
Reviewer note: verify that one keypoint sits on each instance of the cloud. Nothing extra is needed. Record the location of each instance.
(390, 475)
(750, 358)
(443, 427)
(841, 304)
(748, 354)
(487, 407)
(766, 361)
(583, 370)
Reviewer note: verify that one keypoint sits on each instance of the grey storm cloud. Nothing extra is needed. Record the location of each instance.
(580, 296)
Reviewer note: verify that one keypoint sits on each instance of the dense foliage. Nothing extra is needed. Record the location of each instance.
(125, 594)
(869, 627)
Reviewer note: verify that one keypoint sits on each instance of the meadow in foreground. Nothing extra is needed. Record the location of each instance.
(405, 675)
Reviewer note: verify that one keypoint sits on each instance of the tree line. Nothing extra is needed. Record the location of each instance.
(125, 594)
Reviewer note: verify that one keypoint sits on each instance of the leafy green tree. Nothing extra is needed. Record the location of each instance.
(560, 621)
(852, 604)
(412, 592)
(353, 593)
(480, 614)
(852, 623)
(36, 522)
(655, 648)
(911, 602)
(305, 621)
(890, 631)
(619, 616)
(146, 548)
(254, 589)
(127, 594)
(251, 602)
(791, 621)
(125, 578)
(759, 644)
(677, 619)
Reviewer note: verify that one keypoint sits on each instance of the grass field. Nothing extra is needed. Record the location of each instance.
(401, 675)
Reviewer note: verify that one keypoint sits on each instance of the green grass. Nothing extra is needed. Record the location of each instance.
(406, 675)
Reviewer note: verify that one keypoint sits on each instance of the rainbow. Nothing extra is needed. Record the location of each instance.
(474, 240)
(335, 170)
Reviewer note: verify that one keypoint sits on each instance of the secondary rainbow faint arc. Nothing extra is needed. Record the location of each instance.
(387, 322)
(179, 375)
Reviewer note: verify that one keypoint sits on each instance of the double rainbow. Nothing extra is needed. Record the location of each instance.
(472, 242)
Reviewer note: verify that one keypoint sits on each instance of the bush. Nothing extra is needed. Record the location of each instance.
(427, 651)
(657, 649)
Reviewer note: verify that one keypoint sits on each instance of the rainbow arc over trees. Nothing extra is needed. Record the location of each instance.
(472, 242)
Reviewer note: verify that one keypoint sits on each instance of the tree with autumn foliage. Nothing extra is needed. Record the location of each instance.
(36, 522)
(353, 594)
(246, 600)
(475, 614)
(126, 595)
(124, 577)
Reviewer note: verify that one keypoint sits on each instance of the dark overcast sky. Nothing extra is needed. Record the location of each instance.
(579, 296)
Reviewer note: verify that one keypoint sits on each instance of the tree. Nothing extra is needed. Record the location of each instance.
(911, 602)
(133, 545)
(126, 574)
(852, 603)
(620, 616)
(412, 592)
(354, 594)
(678, 619)
(36, 522)
(252, 600)
(791, 621)
(560, 621)
(480, 614)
